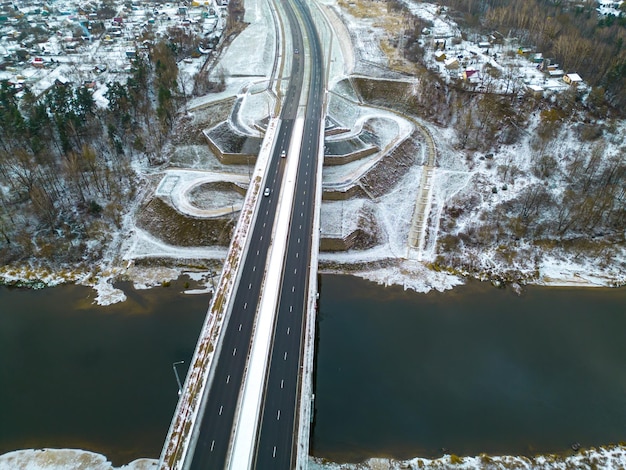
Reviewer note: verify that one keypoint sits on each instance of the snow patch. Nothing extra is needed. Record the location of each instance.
(66, 459)
(603, 458)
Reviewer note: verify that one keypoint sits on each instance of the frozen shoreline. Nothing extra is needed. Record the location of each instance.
(609, 457)
(407, 273)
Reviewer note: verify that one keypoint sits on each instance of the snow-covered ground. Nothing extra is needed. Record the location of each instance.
(247, 70)
(66, 459)
(604, 458)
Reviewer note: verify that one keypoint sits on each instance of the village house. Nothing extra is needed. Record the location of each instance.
(452, 63)
(471, 75)
(572, 79)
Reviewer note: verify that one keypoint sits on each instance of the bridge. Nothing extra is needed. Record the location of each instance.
(246, 402)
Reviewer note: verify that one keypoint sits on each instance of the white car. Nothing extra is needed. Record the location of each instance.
(267, 192)
(283, 153)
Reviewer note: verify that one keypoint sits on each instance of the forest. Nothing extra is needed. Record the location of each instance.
(66, 174)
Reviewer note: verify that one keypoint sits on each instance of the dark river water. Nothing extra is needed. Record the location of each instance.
(75, 375)
(476, 369)
(472, 370)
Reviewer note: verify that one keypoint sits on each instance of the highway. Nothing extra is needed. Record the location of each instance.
(276, 448)
(212, 439)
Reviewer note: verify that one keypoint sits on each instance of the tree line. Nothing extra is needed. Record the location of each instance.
(65, 163)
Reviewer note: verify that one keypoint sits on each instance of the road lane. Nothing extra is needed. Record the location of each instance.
(213, 438)
(276, 442)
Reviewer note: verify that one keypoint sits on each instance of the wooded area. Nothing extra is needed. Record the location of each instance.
(65, 165)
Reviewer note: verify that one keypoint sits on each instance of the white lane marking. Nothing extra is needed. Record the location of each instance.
(212, 445)
(239, 326)
(300, 227)
(285, 356)
(291, 308)
(264, 223)
(228, 379)
(221, 409)
(295, 270)
(288, 329)
(282, 384)
(298, 240)
(297, 255)
(274, 453)
(234, 351)
(249, 286)
(278, 416)
(293, 288)
(245, 305)
(261, 238)
(257, 252)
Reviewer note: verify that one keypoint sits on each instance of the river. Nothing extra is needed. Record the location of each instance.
(476, 369)
(76, 375)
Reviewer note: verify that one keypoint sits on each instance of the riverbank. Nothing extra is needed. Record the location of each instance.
(66, 459)
(371, 265)
(609, 457)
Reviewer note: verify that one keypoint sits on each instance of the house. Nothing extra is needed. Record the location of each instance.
(572, 79)
(471, 75)
(535, 90)
(546, 65)
(38, 62)
(452, 63)
(62, 81)
(496, 38)
(524, 50)
(440, 56)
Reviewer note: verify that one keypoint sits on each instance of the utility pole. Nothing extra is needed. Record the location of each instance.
(180, 387)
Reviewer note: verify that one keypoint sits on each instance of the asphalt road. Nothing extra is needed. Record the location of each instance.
(277, 439)
(213, 437)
